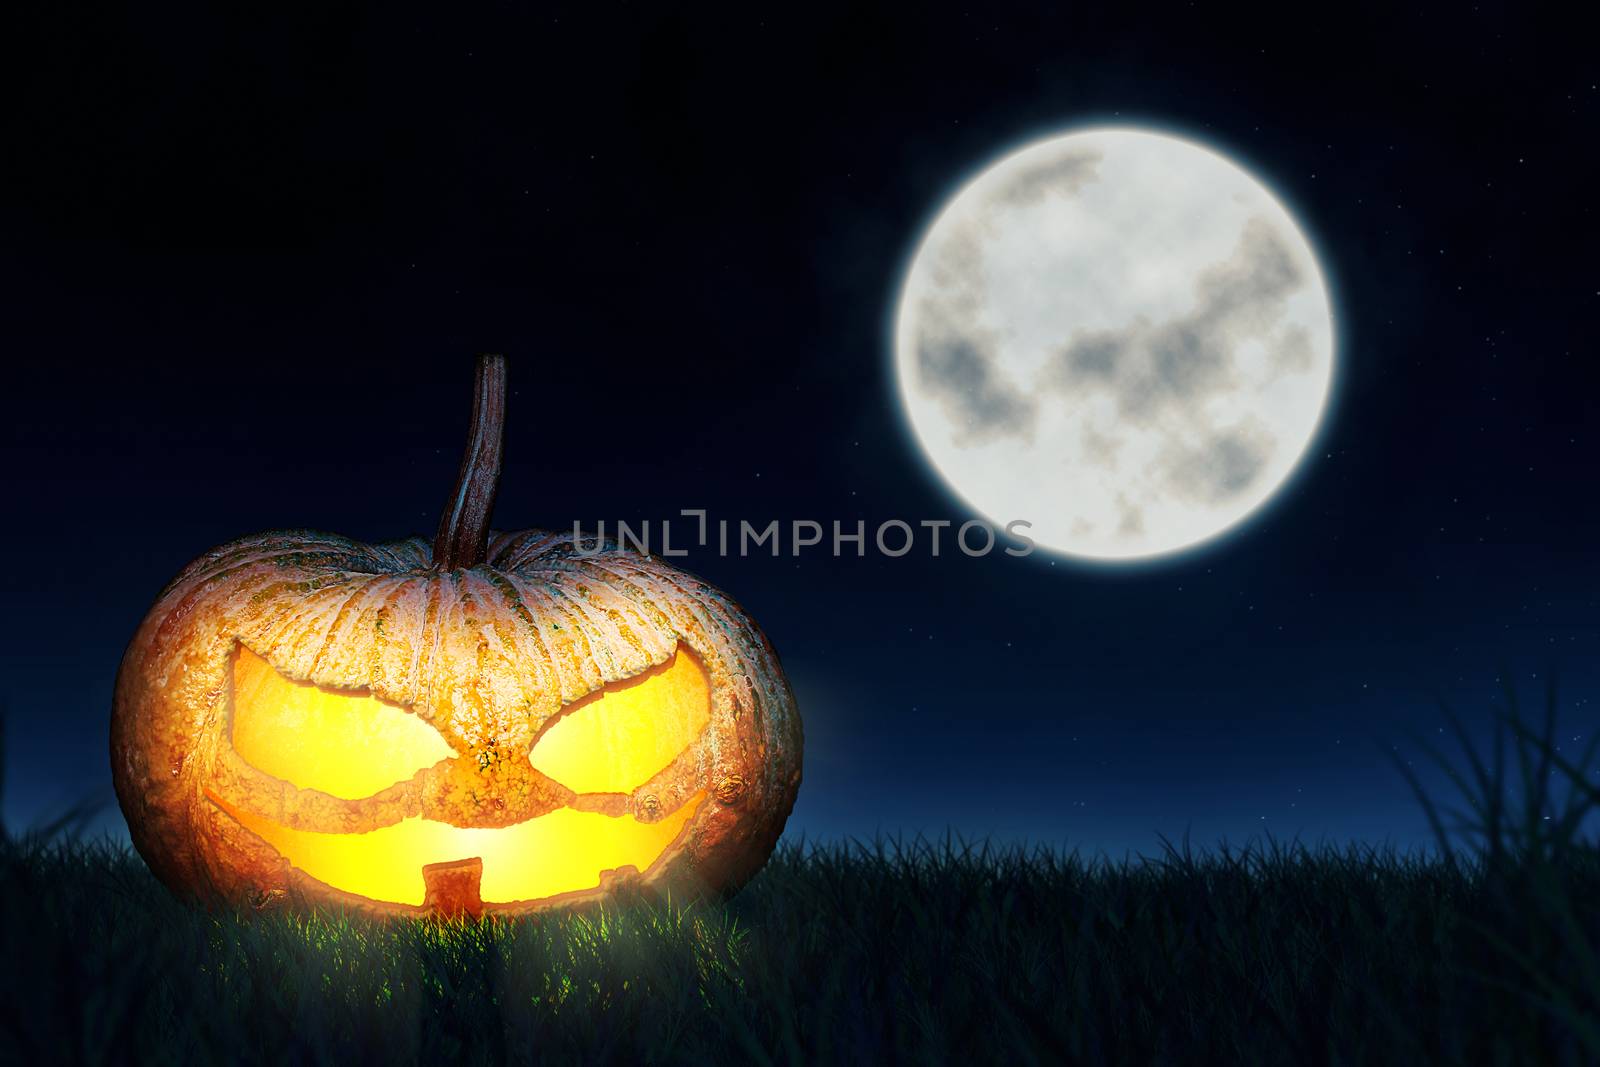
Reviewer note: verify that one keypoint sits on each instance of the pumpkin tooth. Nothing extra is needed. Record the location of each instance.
(453, 888)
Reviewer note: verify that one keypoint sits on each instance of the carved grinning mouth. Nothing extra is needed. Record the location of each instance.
(350, 750)
(565, 851)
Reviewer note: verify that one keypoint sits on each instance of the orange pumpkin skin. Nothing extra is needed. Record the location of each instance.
(489, 656)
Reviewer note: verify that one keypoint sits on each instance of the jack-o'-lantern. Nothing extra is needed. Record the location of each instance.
(495, 723)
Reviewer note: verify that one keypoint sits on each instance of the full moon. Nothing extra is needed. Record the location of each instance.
(1117, 336)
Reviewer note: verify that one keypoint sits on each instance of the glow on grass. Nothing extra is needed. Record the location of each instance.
(560, 852)
(615, 740)
(347, 744)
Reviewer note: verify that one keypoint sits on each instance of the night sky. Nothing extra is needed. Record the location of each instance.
(247, 264)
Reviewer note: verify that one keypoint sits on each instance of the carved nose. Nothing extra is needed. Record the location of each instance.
(453, 888)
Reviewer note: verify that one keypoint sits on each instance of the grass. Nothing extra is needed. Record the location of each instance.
(1486, 950)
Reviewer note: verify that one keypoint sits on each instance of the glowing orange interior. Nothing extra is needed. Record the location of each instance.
(617, 739)
(349, 745)
(352, 745)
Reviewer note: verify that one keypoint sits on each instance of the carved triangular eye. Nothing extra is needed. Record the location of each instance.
(616, 740)
(347, 744)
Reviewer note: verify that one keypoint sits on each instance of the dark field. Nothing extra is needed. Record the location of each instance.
(895, 952)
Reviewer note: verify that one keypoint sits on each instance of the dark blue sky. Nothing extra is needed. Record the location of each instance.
(246, 265)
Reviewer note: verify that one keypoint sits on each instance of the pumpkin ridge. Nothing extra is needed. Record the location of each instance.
(650, 654)
(583, 623)
(294, 642)
(327, 640)
(632, 591)
(382, 618)
(264, 599)
(262, 547)
(304, 637)
(544, 661)
(407, 554)
(427, 649)
(518, 549)
(187, 592)
(493, 712)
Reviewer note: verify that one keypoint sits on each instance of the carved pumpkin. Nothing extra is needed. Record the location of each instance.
(499, 723)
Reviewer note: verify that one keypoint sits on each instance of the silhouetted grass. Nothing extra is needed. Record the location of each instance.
(918, 952)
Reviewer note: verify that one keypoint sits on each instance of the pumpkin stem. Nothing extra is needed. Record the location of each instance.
(463, 538)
